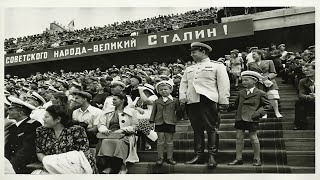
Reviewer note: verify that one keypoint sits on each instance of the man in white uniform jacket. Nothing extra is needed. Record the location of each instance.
(203, 87)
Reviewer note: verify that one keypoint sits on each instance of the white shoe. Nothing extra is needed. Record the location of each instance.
(265, 116)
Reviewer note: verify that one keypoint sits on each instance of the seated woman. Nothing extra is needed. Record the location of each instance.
(58, 137)
(113, 153)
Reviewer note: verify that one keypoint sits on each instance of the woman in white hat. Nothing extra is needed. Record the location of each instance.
(268, 84)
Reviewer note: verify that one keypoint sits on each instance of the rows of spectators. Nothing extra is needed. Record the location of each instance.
(123, 29)
(77, 91)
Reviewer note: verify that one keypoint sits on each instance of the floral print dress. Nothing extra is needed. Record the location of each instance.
(71, 139)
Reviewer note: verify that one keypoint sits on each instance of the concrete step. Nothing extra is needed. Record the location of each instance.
(261, 134)
(302, 170)
(301, 158)
(230, 144)
(230, 126)
(223, 156)
(298, 134)
(180, 168)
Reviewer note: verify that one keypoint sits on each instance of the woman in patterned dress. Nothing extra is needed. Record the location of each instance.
(56, 136)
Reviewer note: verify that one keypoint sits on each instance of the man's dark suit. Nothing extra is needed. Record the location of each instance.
(305, 104)
(20, 148)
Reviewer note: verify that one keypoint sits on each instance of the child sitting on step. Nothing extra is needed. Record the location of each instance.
(164, 115)
(251, 104)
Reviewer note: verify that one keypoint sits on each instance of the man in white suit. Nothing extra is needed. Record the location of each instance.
(205, 88)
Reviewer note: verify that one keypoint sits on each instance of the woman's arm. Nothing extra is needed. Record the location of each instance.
(40, 156)
(143, 97)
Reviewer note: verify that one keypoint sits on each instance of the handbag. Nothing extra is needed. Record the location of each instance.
(110, 136)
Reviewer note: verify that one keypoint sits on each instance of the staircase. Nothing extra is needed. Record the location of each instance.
(283, 150)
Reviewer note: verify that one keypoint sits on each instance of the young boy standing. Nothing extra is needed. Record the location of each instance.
(251, 104)
(164, 114)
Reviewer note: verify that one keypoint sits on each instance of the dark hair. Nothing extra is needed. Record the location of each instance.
(57, 111)
(149, 80)
(123, 97)
(259, 52)
(62, 98)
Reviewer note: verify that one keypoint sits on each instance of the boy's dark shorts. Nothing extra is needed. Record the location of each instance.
(245, 125)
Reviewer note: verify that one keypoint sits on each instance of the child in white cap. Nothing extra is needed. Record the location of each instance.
(251, 104)
(164, 115)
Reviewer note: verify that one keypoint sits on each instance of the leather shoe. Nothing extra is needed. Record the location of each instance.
(236, 162)
(159, 162)
(171, 161)
(256, 162)
(212, 162)
(195, 160)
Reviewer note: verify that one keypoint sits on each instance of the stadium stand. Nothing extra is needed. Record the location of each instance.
(284, 148)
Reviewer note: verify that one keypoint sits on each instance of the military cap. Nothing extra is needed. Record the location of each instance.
(234, 51)
(53, 89)
(253, 48)
(76, 84)
(164, 77)
(143, 73)
(290, 53)
(149, 69)
(148, 87)
(18, 103)
(177, 76)
(117, 83)
(201, 46)
(125, 76)
(82, 94)
(180, 66)
(251, 74)
(137, 77)
(281, 45)
(311, 47)
(37, 97)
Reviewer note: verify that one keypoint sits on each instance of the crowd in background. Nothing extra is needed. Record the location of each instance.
(98, 89)
(127, 28)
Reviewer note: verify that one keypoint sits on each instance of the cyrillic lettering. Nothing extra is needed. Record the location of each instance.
(119, 44)
(84, 50)
(185, 36)
(101, 47)
(213, 32)
(152, 40)
(133, 42)
(61, 53)
(78, 51)
(72, 51)
(107, 46)
(165, 38)
(176, 38)
(66, 52)
(113, 45)
(199, 33)
(95, 48)
(56, 54)
(126, 44)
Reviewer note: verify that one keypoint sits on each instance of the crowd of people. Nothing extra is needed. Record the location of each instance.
(65, 113)
(116, 30)
(123, 29)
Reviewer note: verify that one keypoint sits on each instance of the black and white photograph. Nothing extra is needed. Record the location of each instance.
(159, 90)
